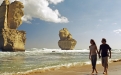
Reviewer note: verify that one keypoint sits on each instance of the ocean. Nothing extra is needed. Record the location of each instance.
(44, 59)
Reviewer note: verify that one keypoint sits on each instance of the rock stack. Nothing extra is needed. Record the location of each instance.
(11, 39)
(66, 41)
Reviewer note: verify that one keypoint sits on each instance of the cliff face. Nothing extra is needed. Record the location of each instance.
(3, 15)
(14, 14)
(11, 39)
(66, 41)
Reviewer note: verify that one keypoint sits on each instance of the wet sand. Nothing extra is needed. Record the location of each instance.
(114, 69)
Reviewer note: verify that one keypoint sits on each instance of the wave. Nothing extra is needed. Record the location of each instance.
(53, 68)
(56, 50)
(116, 50)
(49, 56)
(59, 50)
(50, 68)
(46, 50)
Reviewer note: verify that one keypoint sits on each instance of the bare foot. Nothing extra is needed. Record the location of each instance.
(92, 73)
(106, 73)
(96, 72)
(103, 72)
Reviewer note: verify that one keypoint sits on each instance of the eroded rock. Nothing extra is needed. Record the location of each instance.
(11, 39)
(66, 41)
(15, 14)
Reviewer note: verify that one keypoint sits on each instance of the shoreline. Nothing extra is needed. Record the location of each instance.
(114, 69)
(82, 69)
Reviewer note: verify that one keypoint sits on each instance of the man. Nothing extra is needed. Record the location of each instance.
(103, 50)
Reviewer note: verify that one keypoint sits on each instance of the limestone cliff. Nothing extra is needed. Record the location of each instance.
(11, 39)
(66, 41)
(3, 14)
(15, 14)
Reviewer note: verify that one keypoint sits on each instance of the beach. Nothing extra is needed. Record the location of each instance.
(114, 69)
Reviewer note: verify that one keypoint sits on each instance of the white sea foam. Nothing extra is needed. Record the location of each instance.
(55, 50)
(49, 57)
(52, 68)
(59, 50)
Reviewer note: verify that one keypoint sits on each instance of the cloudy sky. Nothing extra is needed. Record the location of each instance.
(85, 19)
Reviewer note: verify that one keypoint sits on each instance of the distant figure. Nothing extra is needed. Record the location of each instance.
(93, 55)
(103, 50)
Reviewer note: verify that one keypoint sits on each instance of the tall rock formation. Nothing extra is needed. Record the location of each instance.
(66, 41)
(11, 39)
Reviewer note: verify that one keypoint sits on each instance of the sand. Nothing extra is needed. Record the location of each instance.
(114, 69)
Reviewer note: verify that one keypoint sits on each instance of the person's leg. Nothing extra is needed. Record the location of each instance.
(103, 64)
(105, 70)
(95, 60)
(92, 61)
(106, 64)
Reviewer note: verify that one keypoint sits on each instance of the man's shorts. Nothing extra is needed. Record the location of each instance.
(105, 62)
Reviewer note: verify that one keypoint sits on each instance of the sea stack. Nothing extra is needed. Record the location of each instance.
(66, 41)
(11, 39)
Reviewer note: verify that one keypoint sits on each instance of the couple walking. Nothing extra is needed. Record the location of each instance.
(103, 53)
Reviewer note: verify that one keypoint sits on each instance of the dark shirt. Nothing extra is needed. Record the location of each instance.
(104, 49)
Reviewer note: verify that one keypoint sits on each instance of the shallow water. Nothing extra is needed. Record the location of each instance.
(40, 58)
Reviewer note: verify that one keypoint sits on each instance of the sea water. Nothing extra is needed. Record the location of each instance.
(33, 59)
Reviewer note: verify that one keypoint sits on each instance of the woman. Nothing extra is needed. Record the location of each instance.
(93, 55)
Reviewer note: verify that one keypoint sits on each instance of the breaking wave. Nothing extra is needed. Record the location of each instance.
(41, 60)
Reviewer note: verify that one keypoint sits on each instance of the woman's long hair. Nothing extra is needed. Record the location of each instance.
(93, 42)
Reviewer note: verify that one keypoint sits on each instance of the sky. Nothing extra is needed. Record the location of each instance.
(85, 20)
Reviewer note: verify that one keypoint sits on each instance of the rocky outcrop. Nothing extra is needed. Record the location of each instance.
(14, 15)
(66, 41)
(11, 39)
